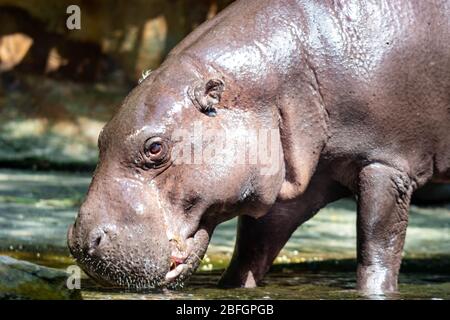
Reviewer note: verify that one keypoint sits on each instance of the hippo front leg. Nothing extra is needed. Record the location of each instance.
(258, 243)
(383, 200)
(260, 240)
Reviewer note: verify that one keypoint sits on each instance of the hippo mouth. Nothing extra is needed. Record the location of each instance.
(156, 268)
(184, 262)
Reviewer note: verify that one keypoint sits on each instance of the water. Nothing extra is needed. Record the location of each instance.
(317, 263)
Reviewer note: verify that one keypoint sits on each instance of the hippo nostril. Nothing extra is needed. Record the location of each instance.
(97, 240)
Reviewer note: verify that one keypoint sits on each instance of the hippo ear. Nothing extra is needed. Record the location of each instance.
(207, 96)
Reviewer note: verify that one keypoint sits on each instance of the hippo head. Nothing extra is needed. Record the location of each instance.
(181, 155)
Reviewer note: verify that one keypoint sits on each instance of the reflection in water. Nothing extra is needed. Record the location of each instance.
(287, 285)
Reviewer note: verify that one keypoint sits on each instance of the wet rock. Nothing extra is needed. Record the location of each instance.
(25, 280)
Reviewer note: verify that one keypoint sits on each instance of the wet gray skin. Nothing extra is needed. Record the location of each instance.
(358, 94)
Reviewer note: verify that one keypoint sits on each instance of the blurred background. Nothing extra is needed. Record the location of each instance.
(58, 87)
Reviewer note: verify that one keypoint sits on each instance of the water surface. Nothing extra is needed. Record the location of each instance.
(317, 263)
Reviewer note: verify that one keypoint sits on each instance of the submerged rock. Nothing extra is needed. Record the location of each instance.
(24, 280)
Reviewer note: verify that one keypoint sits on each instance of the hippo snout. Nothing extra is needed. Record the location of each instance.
(96, 239)
(121, 256)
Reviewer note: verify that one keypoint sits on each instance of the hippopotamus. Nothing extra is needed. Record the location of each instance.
(352, 99)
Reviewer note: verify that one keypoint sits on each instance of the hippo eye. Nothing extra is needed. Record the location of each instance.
(155, 150)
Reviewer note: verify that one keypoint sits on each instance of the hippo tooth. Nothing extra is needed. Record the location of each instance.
(173, 274)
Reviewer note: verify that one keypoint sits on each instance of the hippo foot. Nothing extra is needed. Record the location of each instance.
(238, 280)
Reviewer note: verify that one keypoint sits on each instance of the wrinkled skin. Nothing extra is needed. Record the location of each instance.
(360, 95)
